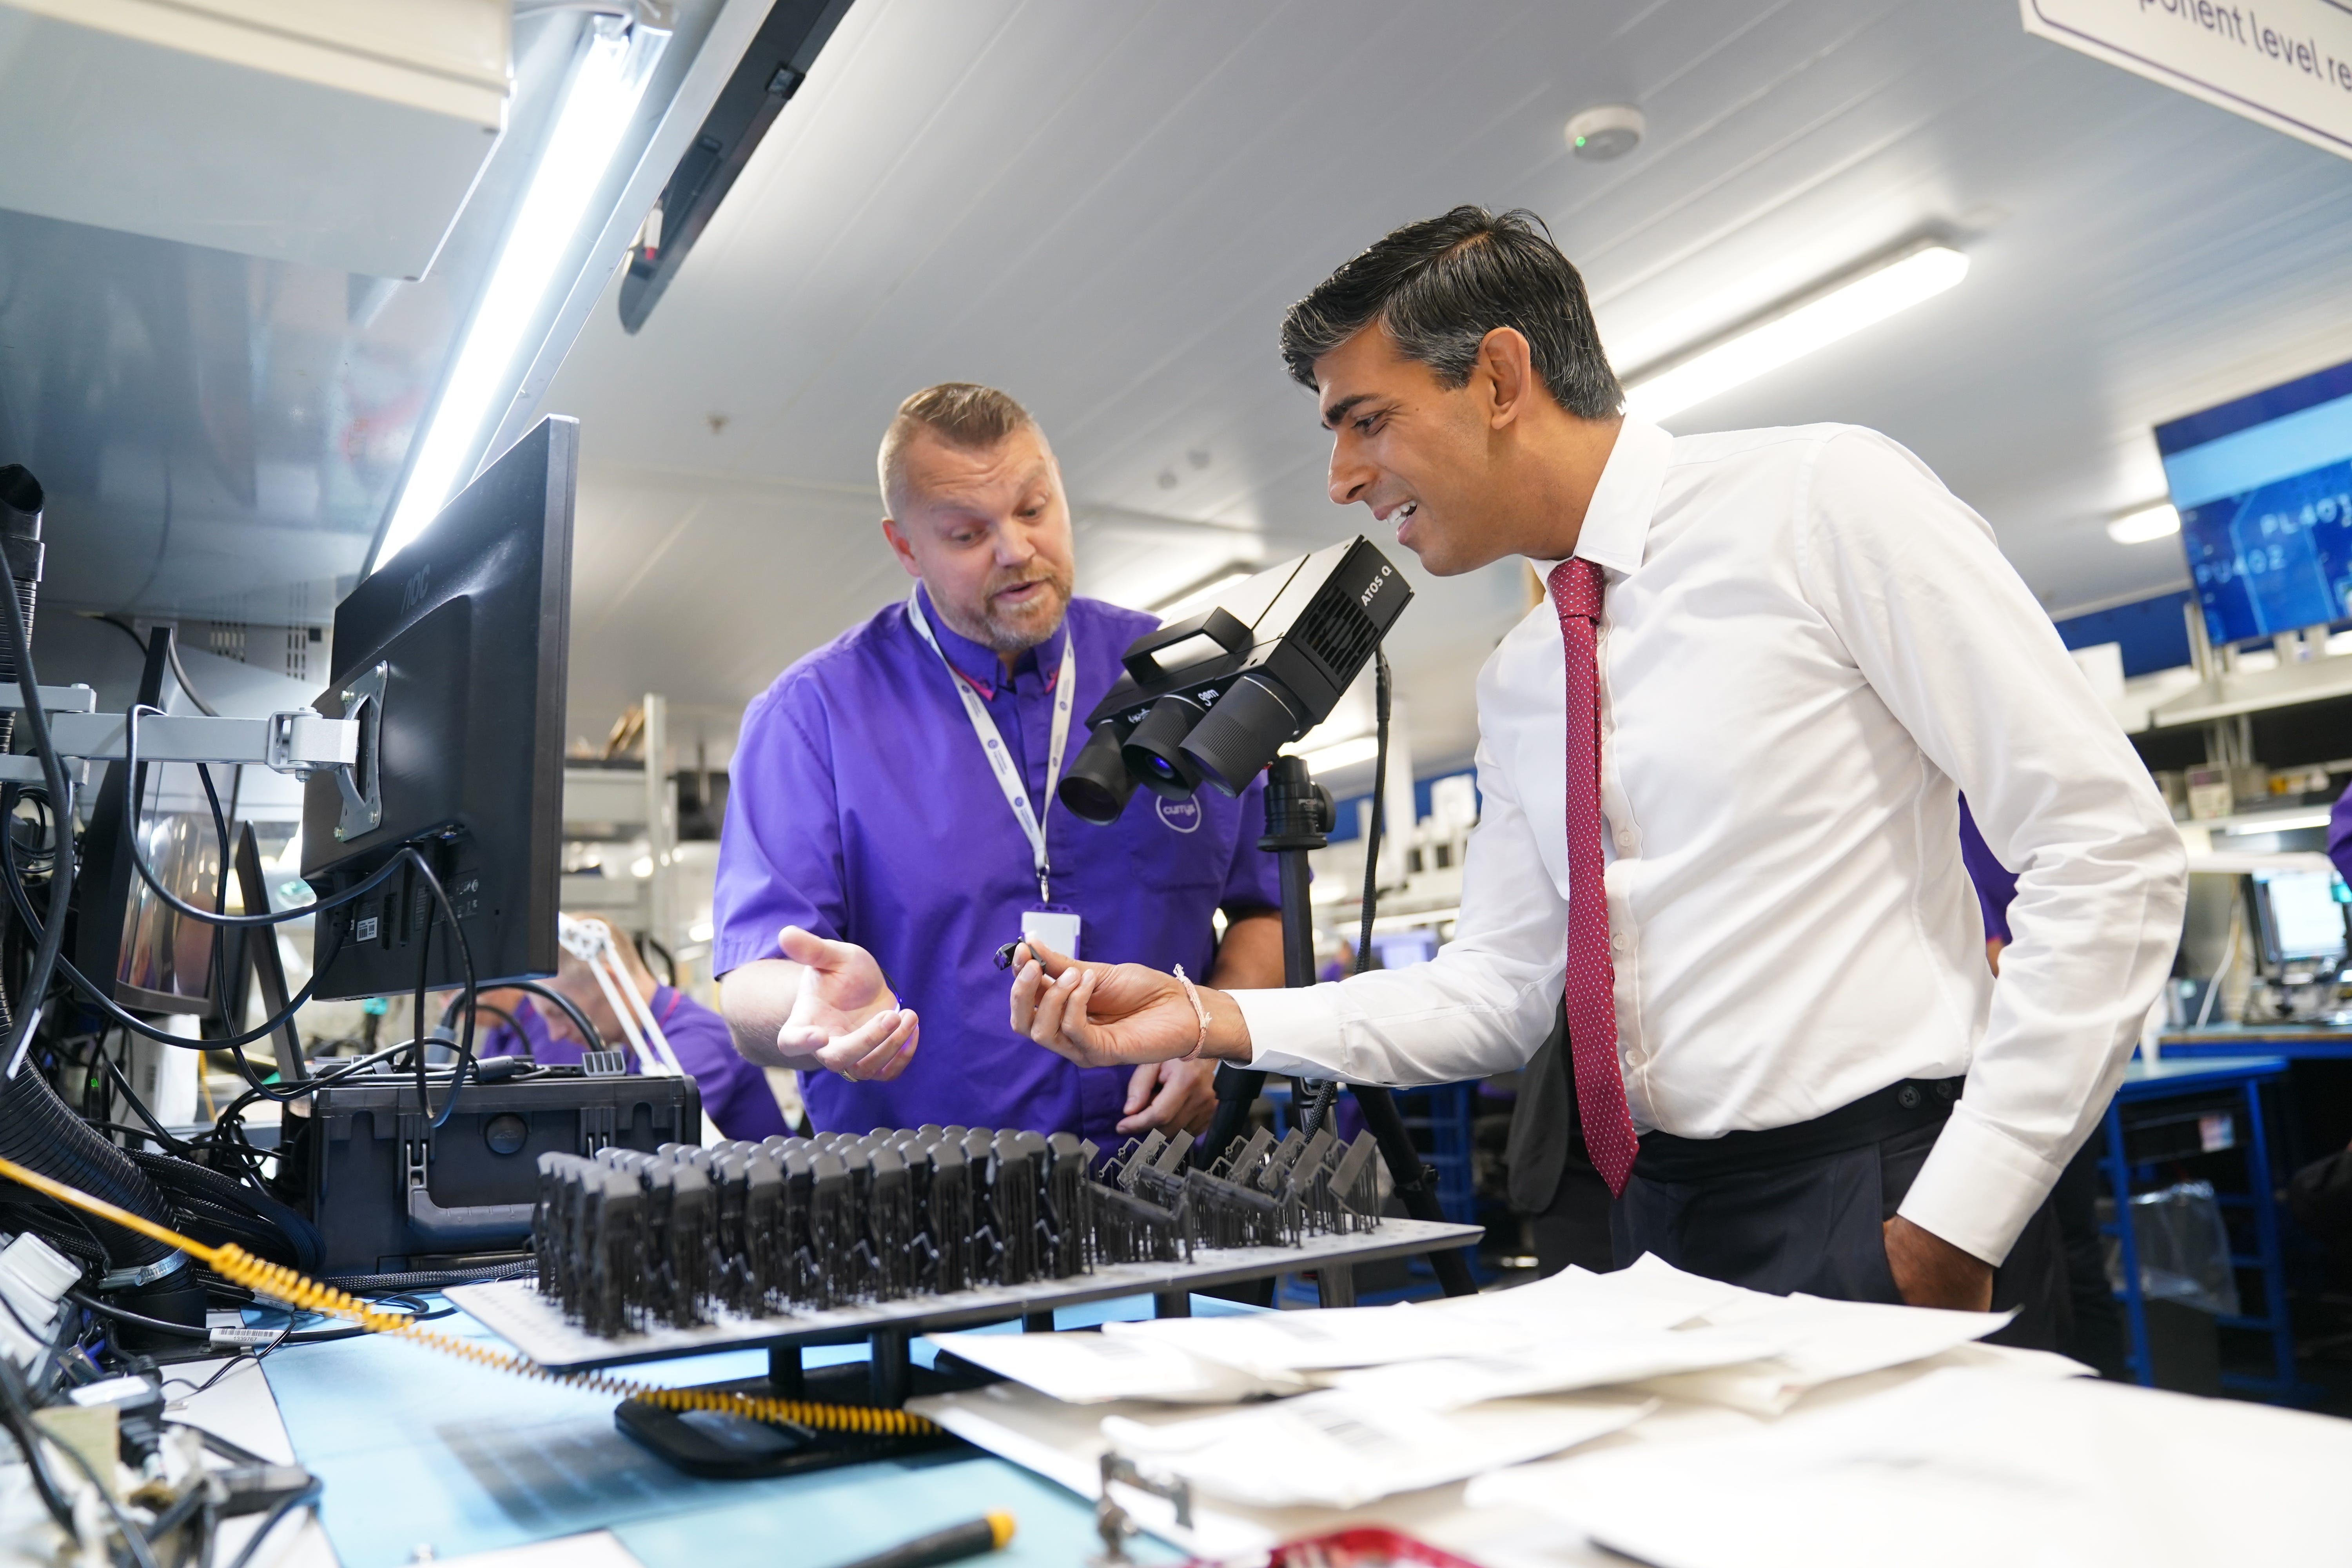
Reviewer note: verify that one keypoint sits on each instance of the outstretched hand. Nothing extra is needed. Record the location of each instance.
(844, 1017)
(1104, 1014)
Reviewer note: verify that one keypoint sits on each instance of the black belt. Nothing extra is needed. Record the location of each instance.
(1914, 1102)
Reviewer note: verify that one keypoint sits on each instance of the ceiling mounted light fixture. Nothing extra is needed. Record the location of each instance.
(1341, 755)
(1812, 320)
(2139, 526)
(608, 79)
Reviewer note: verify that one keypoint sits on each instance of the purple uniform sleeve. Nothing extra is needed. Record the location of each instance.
(779, 857)
(2339, 834)
(735, 1093)
(1996, 884)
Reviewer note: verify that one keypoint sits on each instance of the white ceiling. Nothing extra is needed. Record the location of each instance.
(1104, 207)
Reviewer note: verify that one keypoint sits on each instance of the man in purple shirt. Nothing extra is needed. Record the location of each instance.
(736, 1098)
(876, 853)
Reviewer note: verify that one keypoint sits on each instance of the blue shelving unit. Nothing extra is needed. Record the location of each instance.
(2255, 1208)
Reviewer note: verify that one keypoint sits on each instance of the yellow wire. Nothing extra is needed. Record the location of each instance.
(232, 1262)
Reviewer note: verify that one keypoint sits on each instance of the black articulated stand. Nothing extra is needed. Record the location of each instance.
(1298, 814)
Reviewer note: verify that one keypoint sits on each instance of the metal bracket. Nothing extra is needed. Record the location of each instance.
(1113, 1525)
(54, 698)
(475, 1224)
(360, 782)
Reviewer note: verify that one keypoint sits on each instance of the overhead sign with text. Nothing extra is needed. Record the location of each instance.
(2284, 63)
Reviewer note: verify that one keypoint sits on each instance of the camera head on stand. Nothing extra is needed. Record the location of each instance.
(1213, 699)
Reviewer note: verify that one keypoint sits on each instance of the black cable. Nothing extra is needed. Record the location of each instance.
(1379, 809)
(17, 1415)
(466, 961)
(137, 1319)
(304, 1499)
(130, 716)
(589, 1034)
(61, 877)
(104, 998)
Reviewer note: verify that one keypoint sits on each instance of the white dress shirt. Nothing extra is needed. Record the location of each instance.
(1809, 648)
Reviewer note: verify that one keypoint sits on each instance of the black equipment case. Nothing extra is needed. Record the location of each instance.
(388, 1197)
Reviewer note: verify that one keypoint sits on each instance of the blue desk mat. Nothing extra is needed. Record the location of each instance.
(418, 1448)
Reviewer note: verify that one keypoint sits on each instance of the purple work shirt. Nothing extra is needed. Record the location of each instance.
(862, 808)
(2339, 834)
(735, 1093)
(1996, 883)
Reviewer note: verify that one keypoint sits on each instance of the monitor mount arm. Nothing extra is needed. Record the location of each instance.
(302, 742)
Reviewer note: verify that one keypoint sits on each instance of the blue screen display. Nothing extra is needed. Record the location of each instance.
(2264, 490)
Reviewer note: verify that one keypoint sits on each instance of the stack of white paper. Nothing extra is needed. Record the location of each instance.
(1961, 1468)
(1094, 1369)
(1590, 1361)
(1339, 1450)
(1819, 1342)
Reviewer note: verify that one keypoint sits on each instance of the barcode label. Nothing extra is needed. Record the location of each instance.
(246, 1338)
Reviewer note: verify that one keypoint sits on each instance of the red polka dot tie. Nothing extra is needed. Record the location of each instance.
(1575, 589)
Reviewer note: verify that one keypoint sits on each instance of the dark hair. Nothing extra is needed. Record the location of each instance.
(1440, 285)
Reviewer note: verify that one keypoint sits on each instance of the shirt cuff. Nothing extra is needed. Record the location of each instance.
(1295, 1032)
(1978, 1188)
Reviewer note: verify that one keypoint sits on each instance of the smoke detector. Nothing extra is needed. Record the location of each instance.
(1612, 130)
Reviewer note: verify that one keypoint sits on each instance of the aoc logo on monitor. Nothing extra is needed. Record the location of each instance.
(1183, 816)
(413, 592)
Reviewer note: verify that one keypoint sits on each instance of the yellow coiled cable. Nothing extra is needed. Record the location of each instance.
(274, 1279)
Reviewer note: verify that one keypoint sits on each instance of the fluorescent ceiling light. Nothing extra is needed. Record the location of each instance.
(2148, 523)
(607, 82)
(1341, 754)
(1814, 322)
(1200, 596)
(2281, 823)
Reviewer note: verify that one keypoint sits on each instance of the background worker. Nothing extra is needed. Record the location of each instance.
(891, 823)
(735, 1096)
(1769, 659)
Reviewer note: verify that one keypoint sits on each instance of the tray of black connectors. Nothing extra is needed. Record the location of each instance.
(836, 1240)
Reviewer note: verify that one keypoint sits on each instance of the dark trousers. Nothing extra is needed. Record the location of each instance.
(1812, 1224)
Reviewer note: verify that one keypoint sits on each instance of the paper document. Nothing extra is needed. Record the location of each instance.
(1272, 1343)
(1823, 1340)
(1341, 1450)
(1962, 1469)
(1092, 1369)
(1594, 1361)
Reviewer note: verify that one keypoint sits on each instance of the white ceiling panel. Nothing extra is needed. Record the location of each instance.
(1105, 207)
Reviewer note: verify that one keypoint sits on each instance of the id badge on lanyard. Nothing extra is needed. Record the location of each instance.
(1055, 925)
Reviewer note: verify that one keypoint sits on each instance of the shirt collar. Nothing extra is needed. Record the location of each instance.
(1617, 519)
(976, 662)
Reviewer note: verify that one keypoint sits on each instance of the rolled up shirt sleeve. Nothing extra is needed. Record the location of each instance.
(1956, 647)
(1481, 1005)
(780, 849)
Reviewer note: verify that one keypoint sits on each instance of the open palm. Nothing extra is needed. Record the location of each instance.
(844, 1017)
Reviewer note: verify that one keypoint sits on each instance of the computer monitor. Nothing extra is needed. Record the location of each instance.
(2263, 486)
(2298, 917)
(158, 960)
(451, 656)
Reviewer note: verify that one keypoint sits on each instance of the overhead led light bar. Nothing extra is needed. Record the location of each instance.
(608, 81)
(2148, 523)
(1812, 321)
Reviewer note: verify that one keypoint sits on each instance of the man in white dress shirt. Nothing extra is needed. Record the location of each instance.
(1772, 659)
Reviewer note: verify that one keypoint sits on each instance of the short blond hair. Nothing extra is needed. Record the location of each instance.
(963, 413)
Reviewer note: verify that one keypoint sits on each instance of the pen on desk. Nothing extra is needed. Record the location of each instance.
(986, 1534)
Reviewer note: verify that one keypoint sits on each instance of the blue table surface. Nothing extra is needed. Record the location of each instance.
(2145, 1080)
(418, 1448)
